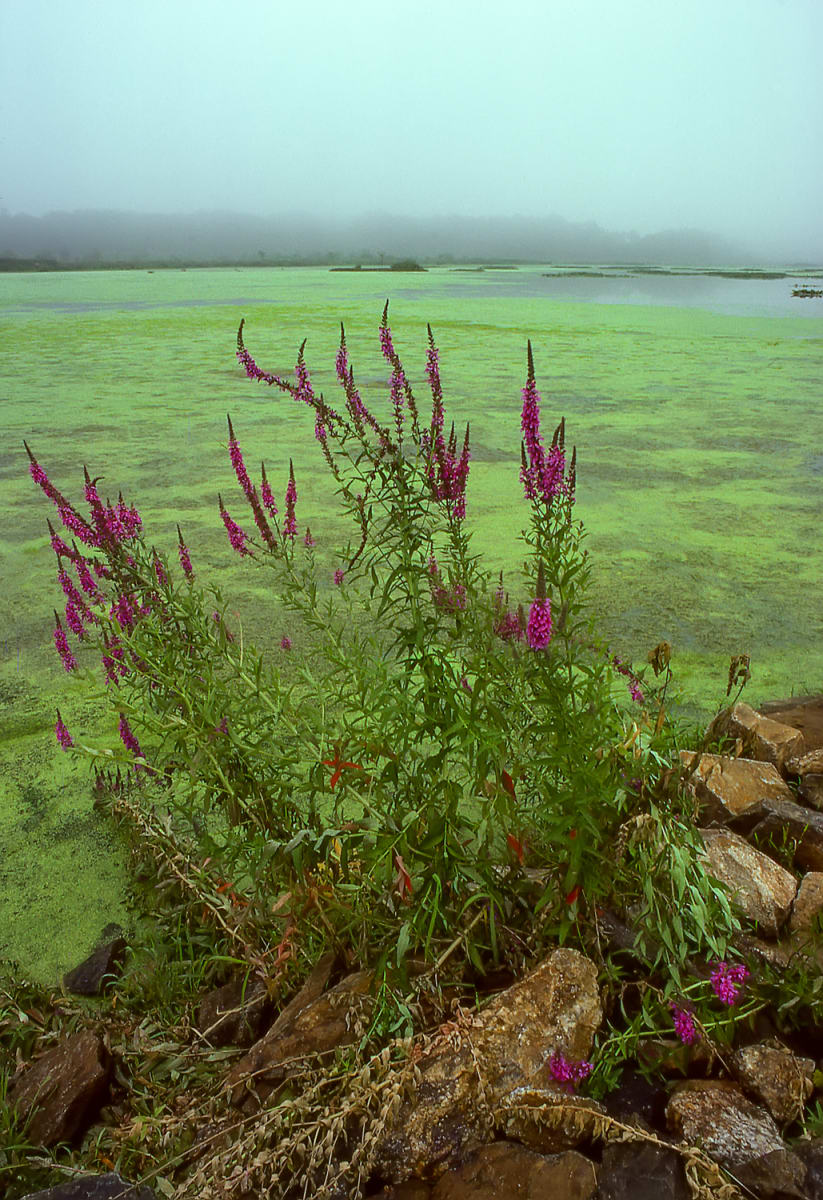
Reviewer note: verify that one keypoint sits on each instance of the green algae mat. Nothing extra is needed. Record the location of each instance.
(695, 404)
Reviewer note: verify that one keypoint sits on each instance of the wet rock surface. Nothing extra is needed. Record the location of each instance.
(472, 1068)
(784, 820)
(808, 903)
(760, 887)
(642, 1171)
(95, 1187)
(63, 1091)
(507, 1169)
(739, 1135)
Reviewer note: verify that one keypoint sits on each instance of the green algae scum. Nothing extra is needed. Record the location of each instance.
(694, 401)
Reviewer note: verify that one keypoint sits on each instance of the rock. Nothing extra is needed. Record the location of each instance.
(737, 1134)
(760, 887)
(547, 1119)
(471, 1067)
(506, 1169)
(775, 1077)
(636, 1100)
(642, 1171)
(763, 738)
(730, 787)
(808, 903)
(89, 978)
(808, 770)
(235, 1013)
(63, 1090)
(302, 1031)
(412, 1189)
(784, 819)
(810, 1154)
(801, 712)
(95, 1187)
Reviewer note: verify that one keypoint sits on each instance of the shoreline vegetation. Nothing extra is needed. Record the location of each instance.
(444, 786)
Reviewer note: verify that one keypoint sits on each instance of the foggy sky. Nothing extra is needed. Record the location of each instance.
(640, 115)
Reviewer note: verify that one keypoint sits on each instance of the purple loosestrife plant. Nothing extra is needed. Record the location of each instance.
(424, 725)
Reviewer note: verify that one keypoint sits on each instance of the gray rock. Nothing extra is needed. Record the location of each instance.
(737, 1134)
(95, 1187)
(760, 887)
(642, 1171)
(810, 1154)
(776, 1078)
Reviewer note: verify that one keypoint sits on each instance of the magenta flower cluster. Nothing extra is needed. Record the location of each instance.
(543, 472)
(684, 1025)
(539, 627)
(568, 1072)
(447, 471)
(727, 982)
(62, 734)
(633, 683)
(451, 599)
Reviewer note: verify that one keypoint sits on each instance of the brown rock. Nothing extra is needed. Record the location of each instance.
(737, 1134)
(782, 820)
(95, 1187)
(506, 1169)
(63, 1090)
(100, 968)
(233, 1014)
(548, 1119)
(728, 787)
(642, 1171)
(801, 712)
(775, 1077)
(411, 1189)
(808, 902)
(303, 1031)
(763, 738)
(760, 887)
(473, 1066)
(808, 770)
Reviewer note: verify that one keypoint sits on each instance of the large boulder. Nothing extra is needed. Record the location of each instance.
(731, 787)
(801, 712)
(760, 887)
(99, 969)
(740, 1136)
(472, 1067)
(62, 1091)
(784, 820)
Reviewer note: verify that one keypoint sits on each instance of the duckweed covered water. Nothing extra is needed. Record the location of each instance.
(696, 412)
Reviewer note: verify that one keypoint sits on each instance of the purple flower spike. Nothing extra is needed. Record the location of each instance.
(127, 737)
(339, 576)
(285, 642)
(290, 523)
(61, 643)
(237, 537)
(266, 493)
(183, 555)
(727, 982)
(539, 627)
(308, 540)
(62, 734)
(684, 1025)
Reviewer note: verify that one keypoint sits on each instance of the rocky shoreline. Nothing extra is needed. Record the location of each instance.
(484, 1105)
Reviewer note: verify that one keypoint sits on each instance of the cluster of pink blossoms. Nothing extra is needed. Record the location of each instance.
(568, 1072)
(727, 982)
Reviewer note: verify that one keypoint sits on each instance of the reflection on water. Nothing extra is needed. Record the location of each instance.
(734, 297)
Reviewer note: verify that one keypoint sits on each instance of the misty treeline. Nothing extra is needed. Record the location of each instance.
(91, 236)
